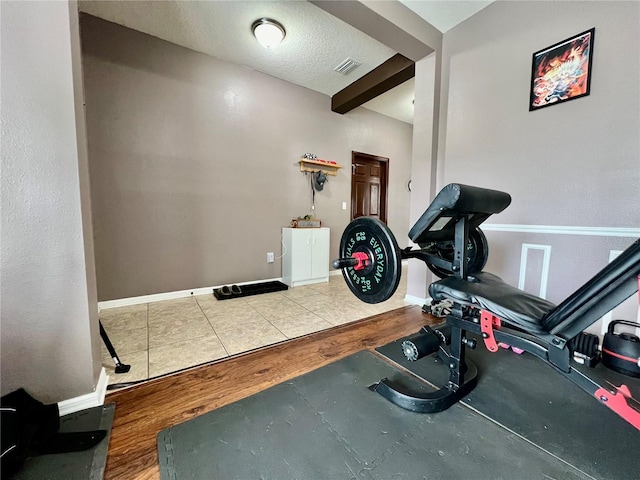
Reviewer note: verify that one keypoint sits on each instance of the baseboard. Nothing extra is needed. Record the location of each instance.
(416, 300)
(93, 399)
(158, 297)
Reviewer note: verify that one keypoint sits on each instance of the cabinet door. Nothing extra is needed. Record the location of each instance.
(320, 253)
(301, 258)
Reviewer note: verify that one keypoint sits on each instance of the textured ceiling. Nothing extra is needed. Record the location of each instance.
(315, 43)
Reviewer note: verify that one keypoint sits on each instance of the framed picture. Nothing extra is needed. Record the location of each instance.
(562, 72)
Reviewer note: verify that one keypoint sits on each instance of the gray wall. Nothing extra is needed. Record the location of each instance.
(573, 164)
(48, 313)
(194, 168)
(50, 344)
(423, 168)
(560, 159)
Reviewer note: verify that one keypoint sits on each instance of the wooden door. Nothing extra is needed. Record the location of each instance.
(369, 175)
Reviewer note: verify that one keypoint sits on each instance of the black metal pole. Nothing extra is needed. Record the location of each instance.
(120, 367)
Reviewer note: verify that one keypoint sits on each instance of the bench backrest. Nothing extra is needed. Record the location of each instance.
(452, 202)
(607, 289)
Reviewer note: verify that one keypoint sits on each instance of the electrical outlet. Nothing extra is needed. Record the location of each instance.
(270, 257)
(344, 205)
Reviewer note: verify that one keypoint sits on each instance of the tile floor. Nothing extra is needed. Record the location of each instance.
(163, 337)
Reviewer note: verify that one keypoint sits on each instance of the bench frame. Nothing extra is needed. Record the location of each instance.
(552, 348)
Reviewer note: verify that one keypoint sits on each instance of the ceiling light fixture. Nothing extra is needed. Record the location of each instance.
(268, 32)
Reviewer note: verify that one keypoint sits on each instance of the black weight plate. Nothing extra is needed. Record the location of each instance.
(379, 281)
(477, 254)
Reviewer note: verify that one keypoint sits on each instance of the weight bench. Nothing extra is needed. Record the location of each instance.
(448, 233)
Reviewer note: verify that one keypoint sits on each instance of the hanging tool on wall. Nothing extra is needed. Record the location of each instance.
(317, 180)
(317, 184)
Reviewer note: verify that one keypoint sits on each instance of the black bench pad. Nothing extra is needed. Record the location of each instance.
(490, 292)
(438, 222)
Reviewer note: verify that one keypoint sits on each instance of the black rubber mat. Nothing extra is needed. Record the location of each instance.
(328, 425)
(87, 464)
(527, 396)
(237, 291)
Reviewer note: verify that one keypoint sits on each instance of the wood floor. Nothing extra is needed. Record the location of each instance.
(144, 410)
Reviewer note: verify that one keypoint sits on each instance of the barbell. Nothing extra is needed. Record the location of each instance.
(371, 261)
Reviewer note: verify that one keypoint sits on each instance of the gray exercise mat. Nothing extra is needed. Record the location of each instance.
(527, 396)
(328, 425)
(87, 464)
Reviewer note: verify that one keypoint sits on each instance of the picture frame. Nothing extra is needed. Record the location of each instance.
(562, 71)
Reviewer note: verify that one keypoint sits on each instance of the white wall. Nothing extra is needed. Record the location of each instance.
(49, 327)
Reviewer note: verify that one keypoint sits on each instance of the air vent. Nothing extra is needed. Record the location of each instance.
(347, 66)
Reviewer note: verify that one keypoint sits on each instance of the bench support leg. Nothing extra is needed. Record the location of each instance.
(462, 379)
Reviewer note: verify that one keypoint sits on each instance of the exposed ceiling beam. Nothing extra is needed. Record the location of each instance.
(392, 24)
(361, 15)
(398, 69)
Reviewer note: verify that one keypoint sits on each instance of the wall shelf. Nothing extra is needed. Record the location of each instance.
(319, 166)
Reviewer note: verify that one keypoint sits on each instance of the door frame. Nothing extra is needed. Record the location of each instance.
(384, 165)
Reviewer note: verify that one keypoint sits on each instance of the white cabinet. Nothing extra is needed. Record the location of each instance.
(305, 257)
